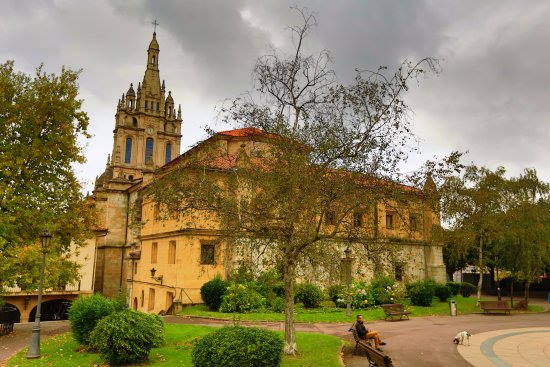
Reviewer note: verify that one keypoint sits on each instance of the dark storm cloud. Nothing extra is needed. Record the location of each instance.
(490, 98)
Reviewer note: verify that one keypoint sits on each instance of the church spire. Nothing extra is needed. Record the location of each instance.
(151, 79)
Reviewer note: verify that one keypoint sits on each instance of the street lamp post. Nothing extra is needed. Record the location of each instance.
(34, 347)
(347, 277)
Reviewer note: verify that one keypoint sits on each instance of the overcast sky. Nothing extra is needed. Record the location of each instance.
(490, 99)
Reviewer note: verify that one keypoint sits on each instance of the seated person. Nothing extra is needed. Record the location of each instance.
(363, 333)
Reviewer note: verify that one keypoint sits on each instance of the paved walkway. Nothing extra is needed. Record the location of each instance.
(20, 338)
(510, 347)
(420, 341)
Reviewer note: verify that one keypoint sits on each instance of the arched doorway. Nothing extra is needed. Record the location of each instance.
(55, 309)
(10, 313)
(135, 303)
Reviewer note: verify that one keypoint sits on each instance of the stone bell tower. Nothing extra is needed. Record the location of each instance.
(147, 135)
(147, 130)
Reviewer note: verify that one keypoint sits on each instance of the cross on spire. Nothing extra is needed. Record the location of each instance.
(155, 24)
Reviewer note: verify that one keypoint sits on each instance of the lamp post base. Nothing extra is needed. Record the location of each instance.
(34, 347)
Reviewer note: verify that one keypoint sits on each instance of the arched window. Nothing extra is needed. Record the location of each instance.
(158, 106)
(153, 60)
(128, 151)
(146, 105)
(168, 153)
(134, 122)
(148, 150)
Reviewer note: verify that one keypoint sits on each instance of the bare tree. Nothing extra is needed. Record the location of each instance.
(323, 154)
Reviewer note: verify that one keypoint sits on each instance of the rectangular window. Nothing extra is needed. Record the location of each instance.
(413, 222)
(149, 143)
(358, 219)
(146, 105)
(399, 272)
(142, 297)
(208, 254)
(172, 252)
(169, 299)
(151, 305)
(154, 252)
(389, 221)
(330, 218)
(135, 267)
(158, 106)
(128, 151)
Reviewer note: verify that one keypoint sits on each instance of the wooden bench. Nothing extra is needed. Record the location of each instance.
(356, 338)
(393, 310)
(487, 306)
(375, 357)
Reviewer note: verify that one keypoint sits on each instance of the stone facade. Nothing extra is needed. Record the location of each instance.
(145, 137)
(163, 261)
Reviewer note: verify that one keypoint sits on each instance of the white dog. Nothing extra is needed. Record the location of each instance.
(461, 337)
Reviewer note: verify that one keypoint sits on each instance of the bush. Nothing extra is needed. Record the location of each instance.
(277, 304)
(237, 346)
(309, 294)
(360, 296)
(127, 336)
(442, 292)
(240, 298)
(84, 314)
(421, 293)
(467, 289)
(380, 290)
(335, 292)
(213, 291)
(454, 287)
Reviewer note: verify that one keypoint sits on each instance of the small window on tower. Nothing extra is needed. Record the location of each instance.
(146, 105)
(153, 60)
(158, 106)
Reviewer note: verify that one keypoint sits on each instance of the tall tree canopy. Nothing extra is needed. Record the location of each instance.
(41, 122)
(505, 220)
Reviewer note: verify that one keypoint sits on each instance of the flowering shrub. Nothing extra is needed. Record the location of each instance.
(240, 298)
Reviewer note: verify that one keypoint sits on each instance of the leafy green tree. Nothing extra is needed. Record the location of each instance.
(524, 245)
(471, 204)
(41, 123)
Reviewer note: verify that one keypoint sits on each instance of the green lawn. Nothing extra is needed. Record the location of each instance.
(63, 351)
(333, 314)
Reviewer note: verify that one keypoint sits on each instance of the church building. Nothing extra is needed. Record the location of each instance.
(159, 263)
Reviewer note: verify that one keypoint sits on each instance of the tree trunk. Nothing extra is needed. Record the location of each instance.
(498, 287)
(512, 293)
(290, 333)
(480, 266)
(527, 285)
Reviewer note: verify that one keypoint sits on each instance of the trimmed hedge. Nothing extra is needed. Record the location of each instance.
(335, 292)
(240, 298)
(442, 292)
(213, 291)
(467, 289)
(85, 312)
(309, 294)
(421, 293)
(237, 346)
(454, 287)
(127, 336)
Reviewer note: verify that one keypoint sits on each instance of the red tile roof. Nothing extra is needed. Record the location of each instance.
(244, 132)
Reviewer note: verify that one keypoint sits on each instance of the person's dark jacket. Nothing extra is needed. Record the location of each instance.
(361, 330)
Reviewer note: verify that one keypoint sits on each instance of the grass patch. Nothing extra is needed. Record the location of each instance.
(63, 351)
(465, 305)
